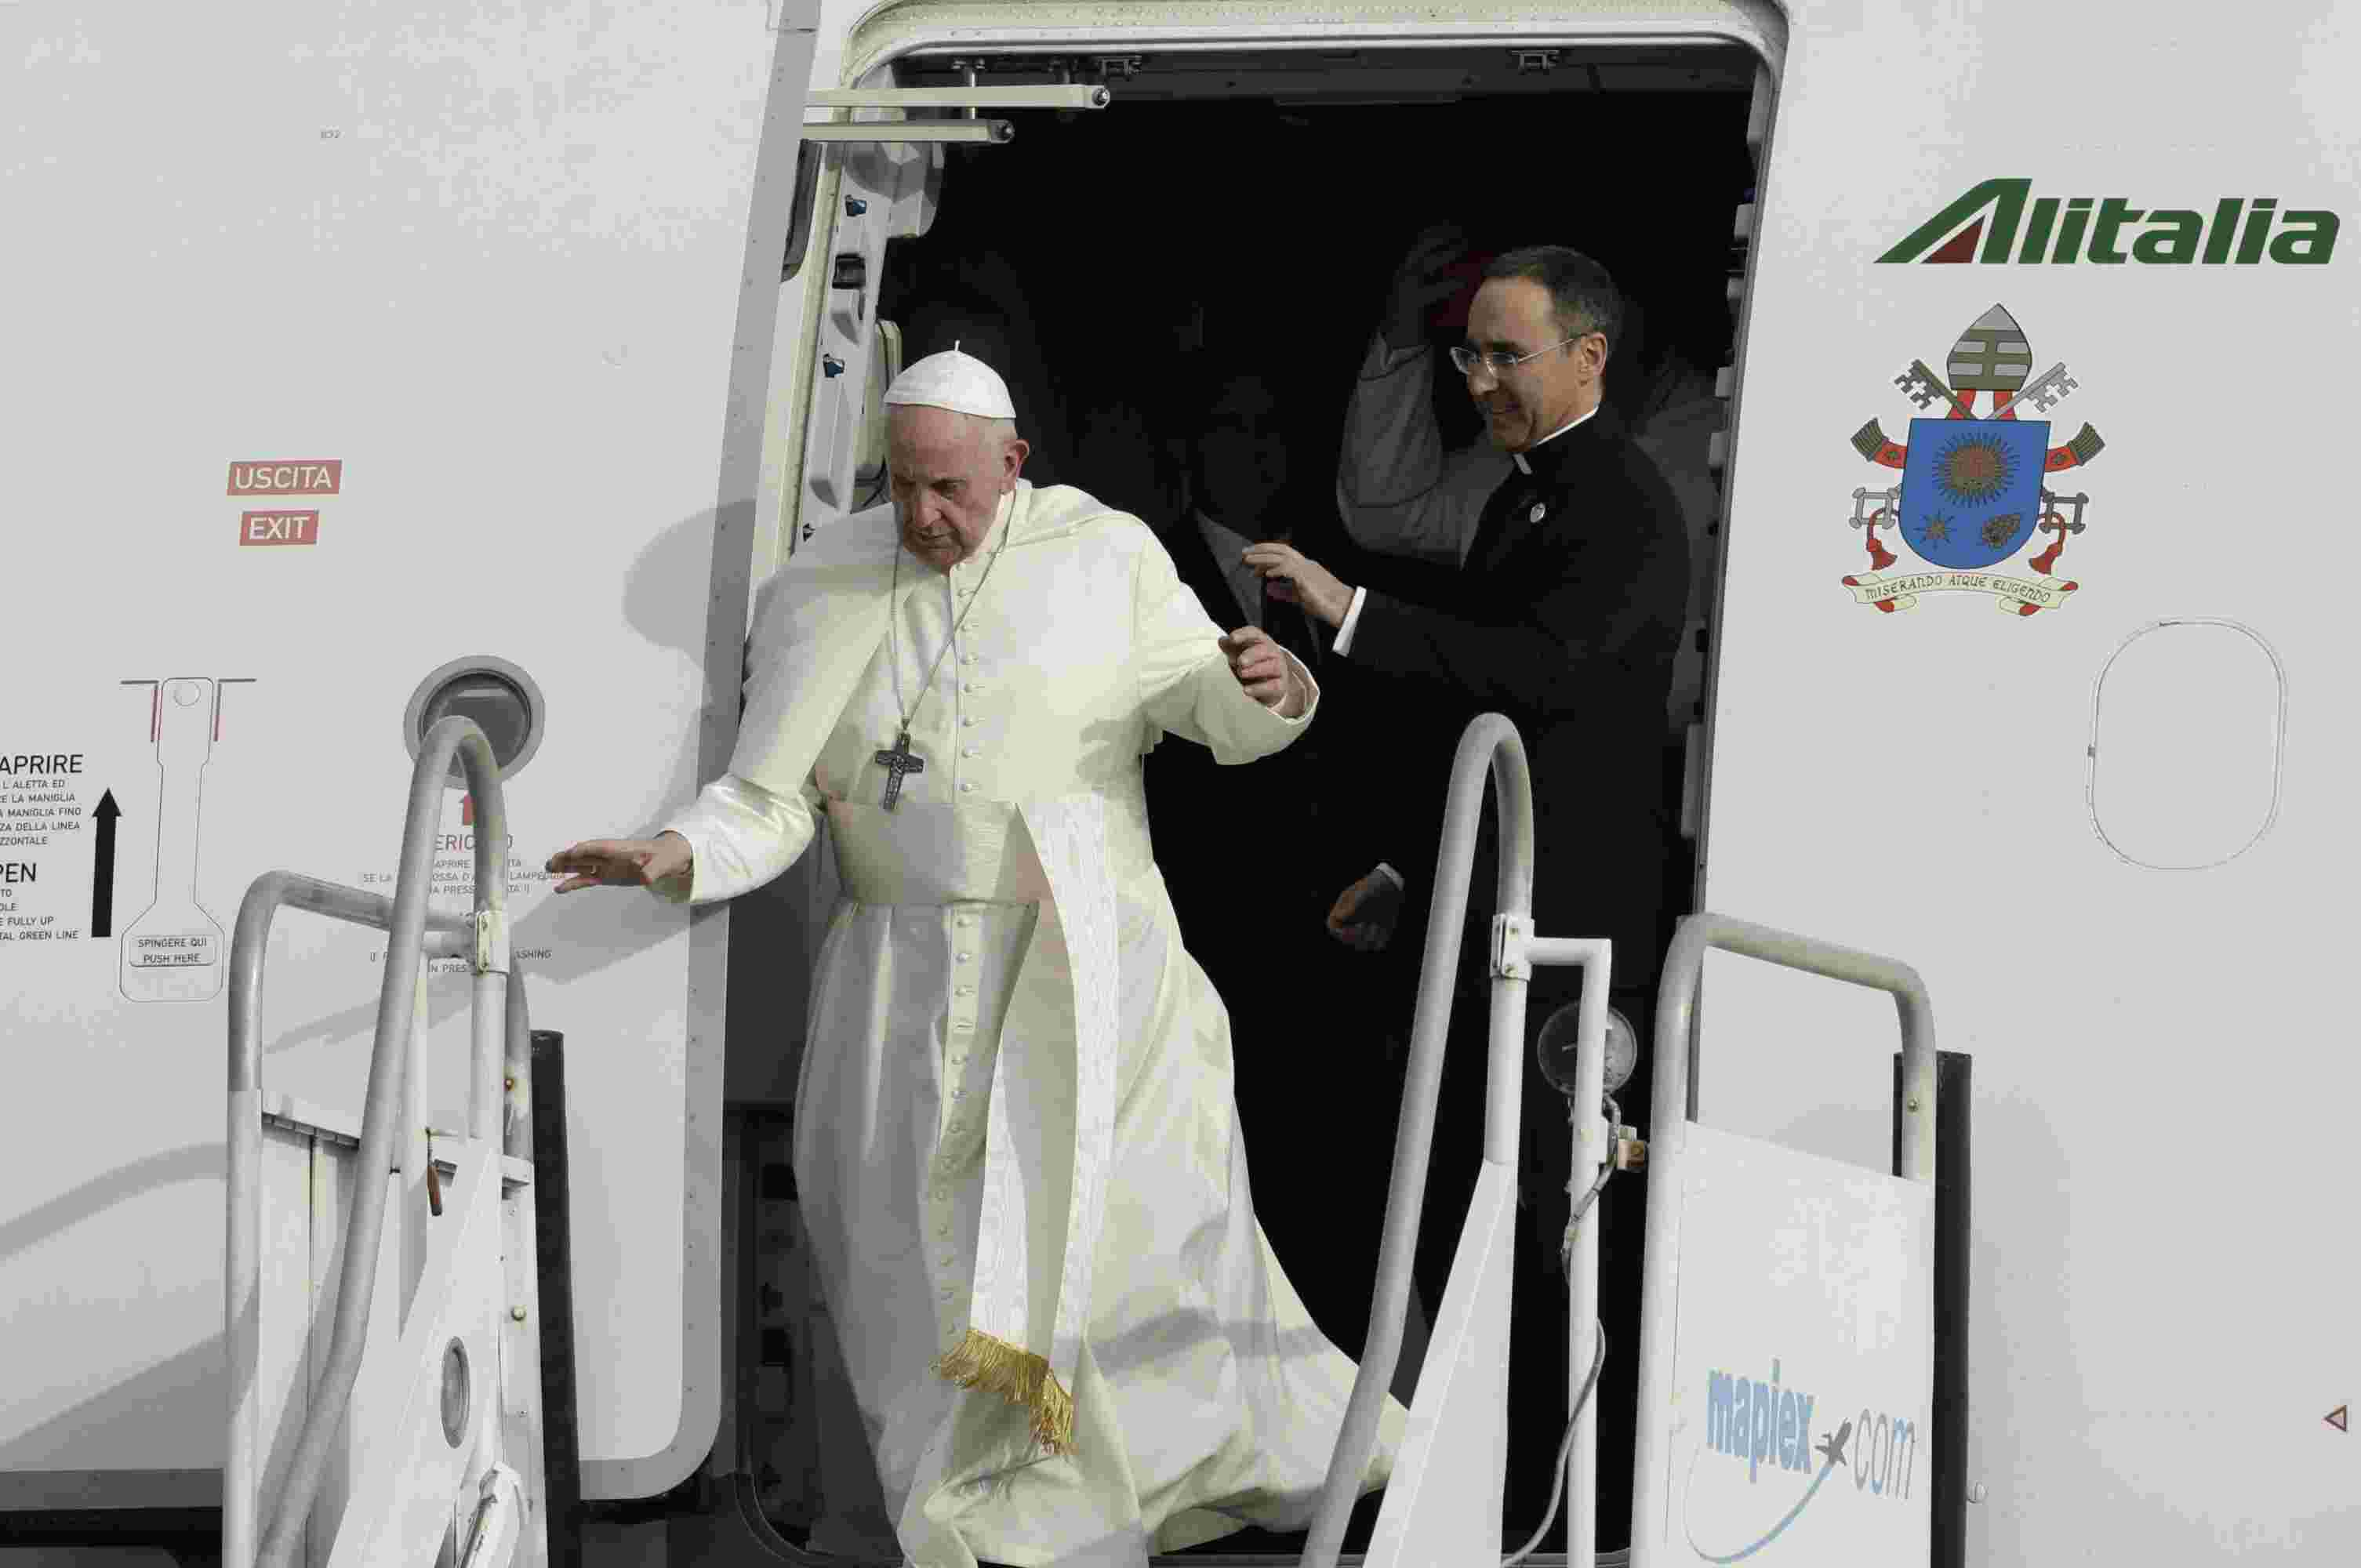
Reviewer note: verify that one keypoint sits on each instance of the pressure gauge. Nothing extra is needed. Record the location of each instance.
(1560, 1037)
(1622, 1050)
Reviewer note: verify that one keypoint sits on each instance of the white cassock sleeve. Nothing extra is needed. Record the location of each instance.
(1397, 492)
(742, 836)
(805, 651)
(1186, 685)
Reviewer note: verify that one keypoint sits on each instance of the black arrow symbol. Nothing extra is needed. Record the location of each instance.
(102, 871)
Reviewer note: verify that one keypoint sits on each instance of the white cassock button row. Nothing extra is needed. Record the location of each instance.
(968, 723)
(967, 786)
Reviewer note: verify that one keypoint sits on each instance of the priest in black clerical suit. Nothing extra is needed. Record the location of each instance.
(1564, 617)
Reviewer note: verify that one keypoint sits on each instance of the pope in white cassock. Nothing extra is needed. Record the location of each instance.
(1014, 1144)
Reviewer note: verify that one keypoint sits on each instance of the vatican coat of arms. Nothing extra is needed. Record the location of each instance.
(1974, 489)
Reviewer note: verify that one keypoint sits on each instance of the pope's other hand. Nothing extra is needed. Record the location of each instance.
(662, 863)
(1262, 669)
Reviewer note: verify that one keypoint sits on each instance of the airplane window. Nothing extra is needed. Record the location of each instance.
(1241, 221)
(502, 700)
(2186, 736)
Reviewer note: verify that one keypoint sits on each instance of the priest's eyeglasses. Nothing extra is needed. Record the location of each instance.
(1467, 360)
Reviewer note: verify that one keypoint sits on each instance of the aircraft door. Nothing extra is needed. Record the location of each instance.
(378, 362)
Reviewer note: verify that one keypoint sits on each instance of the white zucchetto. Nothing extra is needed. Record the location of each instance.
(953, 380)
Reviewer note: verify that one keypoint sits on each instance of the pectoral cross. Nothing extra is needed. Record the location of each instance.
(896, 761)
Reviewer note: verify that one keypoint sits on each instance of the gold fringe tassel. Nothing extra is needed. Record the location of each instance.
(985, 1362)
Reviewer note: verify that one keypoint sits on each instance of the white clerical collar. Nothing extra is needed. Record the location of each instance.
(1525, 468)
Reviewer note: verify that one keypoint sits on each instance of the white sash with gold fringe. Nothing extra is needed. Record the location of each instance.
(1051, 1128)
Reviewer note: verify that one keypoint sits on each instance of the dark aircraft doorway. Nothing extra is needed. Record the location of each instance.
(1251, 211)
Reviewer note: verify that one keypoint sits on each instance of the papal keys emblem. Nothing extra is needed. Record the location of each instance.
(1973, 491)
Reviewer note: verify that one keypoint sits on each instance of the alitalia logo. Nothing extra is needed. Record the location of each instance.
(2002, 221)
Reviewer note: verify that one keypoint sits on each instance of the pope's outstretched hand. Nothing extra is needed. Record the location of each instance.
(663, 863)
(1262, 668)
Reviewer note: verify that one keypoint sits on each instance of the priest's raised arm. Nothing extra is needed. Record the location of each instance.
(1398, 491)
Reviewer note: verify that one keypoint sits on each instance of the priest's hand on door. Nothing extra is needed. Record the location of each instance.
(1309, 584)
(1261, 667)
(1363, 914)
(663, 865)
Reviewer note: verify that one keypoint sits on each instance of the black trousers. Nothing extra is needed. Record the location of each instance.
(1319, 1070)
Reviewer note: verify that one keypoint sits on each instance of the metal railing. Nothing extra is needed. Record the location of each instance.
(1674, 1083)
(1674, 1099)
(499, 1008)
(1489, 746)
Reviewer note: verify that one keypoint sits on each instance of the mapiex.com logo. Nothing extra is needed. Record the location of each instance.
(1766, 1426)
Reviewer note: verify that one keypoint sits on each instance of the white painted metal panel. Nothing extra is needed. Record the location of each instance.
(283, 1303)
(376, 1384)
(496, 286)
(1803, 1362)
(411, 1469)
(1449, 1478)
(1915, 783)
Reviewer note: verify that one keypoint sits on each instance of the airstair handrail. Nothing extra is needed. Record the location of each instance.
(268, 893)
(408, 923)
(271, 893)
(1673, 1084)
(1489, 745)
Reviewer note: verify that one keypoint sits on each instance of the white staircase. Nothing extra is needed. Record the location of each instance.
(382, 1307)
(1443, 1503)
(382, 1302)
